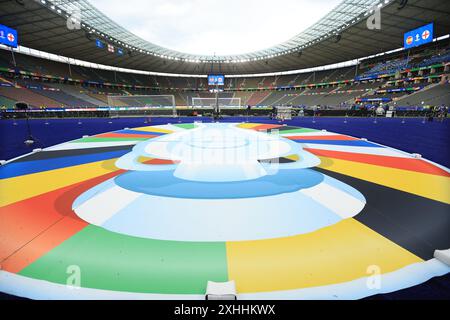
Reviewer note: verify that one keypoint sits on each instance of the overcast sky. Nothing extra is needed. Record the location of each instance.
(213, 26)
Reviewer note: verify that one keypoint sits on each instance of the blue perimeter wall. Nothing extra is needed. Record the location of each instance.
(414, 135)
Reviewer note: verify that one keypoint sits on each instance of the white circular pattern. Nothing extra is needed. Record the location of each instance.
(282, 204)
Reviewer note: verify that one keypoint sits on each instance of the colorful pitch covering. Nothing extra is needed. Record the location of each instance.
(156, 212)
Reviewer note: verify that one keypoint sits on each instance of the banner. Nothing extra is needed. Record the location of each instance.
(216, 79)
(419, 36)
(8, 36)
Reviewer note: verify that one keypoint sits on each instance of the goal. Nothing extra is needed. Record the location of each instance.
(211, 102)
(142, 105)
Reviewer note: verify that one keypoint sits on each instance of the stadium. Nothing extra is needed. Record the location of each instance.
(315, 168)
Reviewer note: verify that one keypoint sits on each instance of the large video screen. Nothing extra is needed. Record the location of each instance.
(419, 36)
(8, 36)
(216, 80)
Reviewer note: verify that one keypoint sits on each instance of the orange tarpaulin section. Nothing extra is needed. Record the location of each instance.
(266, 127)
(32, 227)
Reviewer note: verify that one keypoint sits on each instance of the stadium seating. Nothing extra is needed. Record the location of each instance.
(435, 95)
(89, 87)
(28, 96)
(244, 96)
(257, 97)
(7, 103)
(390, 66)
(79, 92)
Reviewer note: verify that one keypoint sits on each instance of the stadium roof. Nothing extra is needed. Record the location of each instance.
(347, 9)
(339, 36)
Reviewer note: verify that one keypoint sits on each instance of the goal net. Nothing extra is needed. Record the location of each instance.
(211, 102)
(143, 105)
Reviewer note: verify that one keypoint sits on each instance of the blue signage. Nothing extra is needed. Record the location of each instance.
(419, 36)
(99, 44)
(366, 78)
(374, 99)
(8, 36)
(216, 80)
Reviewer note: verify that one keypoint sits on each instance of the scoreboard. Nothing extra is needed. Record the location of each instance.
(8, 36)
(216, 80)
(419, 36)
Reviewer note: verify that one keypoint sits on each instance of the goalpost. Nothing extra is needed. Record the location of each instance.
(211, 102)
(143, 105)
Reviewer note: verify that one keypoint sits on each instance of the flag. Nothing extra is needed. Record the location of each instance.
(110, 48)
(99, 44)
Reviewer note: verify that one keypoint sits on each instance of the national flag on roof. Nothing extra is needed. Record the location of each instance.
(409, 40)
(110, 48)
(99, 43)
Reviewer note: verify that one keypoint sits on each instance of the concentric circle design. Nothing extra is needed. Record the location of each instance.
(156, 212)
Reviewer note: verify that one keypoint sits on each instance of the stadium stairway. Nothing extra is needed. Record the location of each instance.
(76, 92)
(100, 97)
(257, 97)
(332, 98)
(289, 97)
(429, 94)
(64, 98)
(273, 98)
(179, 99)
(244, 96)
